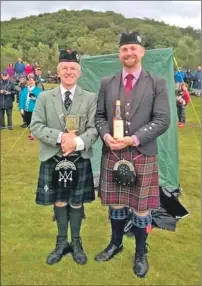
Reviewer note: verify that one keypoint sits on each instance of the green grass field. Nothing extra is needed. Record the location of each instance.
(28, 232)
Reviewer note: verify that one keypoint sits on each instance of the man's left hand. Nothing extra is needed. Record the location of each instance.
(123, 143)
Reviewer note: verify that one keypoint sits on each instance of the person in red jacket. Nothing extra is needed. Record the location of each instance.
(183, 98)
(28, 69)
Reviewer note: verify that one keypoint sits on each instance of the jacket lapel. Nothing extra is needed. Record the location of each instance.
(116, 88)
(57, 102)
(77, 101)
(138, 92)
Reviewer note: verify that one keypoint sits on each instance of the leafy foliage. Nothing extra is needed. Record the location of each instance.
(38, 38)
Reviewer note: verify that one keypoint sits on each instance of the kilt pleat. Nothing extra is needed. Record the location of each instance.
(144, 195)
(46, 194)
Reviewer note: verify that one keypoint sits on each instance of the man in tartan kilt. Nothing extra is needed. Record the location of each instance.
(146, 114)
(65, 191)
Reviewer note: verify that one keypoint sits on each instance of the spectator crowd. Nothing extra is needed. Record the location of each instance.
(192, 79)
(23, 82)
(186, 83)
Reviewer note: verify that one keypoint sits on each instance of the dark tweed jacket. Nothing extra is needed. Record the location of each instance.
(6, 100)
(149, 114)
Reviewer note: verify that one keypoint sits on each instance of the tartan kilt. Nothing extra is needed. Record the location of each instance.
(144, 195)
(46, 194)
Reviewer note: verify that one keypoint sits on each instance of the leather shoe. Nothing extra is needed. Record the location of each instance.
(24, 125)
(62, 248)
(111, 250)
(141, 265)
(78, 253)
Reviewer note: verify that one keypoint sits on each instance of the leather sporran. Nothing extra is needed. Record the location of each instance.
(124, 173)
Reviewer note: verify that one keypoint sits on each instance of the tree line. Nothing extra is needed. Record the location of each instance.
(39, 38)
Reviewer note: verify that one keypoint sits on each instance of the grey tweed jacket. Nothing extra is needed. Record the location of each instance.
(48, 121)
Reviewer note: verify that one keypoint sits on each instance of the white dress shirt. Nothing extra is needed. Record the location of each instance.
(79, 142)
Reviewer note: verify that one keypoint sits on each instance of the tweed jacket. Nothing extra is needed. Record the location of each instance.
(48, 121)
(149, 114)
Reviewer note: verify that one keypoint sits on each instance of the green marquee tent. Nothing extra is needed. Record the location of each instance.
(158, 62)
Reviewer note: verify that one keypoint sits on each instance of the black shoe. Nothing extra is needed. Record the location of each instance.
(141, 265)
(62, 248)
(111, 250)
(2, 127)
(24, 125)
(78, 253)
(10, 128)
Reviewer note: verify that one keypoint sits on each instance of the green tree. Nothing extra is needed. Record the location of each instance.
(91, 33)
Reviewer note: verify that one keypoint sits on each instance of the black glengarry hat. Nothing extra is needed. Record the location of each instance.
(69, 56)
(130, 38)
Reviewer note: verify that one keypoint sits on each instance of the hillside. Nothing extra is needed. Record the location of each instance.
(92, 33)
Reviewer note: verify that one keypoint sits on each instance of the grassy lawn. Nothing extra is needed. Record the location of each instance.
(28, 233)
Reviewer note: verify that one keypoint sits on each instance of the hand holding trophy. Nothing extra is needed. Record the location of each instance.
(68, 143)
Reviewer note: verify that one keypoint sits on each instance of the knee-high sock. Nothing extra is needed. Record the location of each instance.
(139, 228)
(140, 238)
(118, 220)
(68, 213)
(62, 220)
(76, 215)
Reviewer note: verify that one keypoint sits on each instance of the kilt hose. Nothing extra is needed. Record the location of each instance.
(46, 194)
(144, 195)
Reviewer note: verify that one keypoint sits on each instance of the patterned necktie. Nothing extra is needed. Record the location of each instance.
(129, 82)
(67, 101)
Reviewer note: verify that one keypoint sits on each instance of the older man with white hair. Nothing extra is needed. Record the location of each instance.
(65, 177)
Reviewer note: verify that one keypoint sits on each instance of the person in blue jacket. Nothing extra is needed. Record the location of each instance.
(28, 98)
(19, 67)
(179, 78)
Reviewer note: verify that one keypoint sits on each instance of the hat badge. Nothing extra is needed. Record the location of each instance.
(77, 57)
(139, 39)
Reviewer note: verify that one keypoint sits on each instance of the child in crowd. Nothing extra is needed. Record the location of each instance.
(183, 98)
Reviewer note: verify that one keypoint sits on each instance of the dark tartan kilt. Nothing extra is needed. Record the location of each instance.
(46, 193)
(145, 193)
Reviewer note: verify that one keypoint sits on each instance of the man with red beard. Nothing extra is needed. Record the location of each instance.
(129, 169)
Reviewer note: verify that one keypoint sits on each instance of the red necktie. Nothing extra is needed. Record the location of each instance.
(129, 81)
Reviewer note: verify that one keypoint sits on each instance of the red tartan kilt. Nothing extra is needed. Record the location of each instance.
(145, 193)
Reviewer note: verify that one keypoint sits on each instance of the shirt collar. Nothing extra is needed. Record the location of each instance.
(136, 74)
(63, 90)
